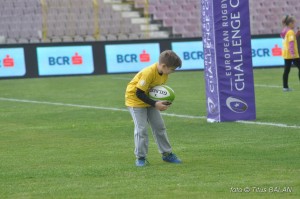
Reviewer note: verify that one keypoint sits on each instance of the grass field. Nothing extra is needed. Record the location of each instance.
(73, 138)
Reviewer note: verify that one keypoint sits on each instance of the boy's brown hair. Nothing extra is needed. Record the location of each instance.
(170, 59)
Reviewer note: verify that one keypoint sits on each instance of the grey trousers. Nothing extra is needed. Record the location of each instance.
(141, 117)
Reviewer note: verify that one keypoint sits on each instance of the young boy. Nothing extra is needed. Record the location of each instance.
(144, 110)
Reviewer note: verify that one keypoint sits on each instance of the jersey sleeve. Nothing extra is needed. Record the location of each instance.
(142, 96)
(144, 82)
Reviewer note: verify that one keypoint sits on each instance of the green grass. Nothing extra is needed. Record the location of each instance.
(51, 151)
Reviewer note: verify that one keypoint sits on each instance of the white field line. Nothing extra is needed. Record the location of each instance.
(122, 78)
(270, 124)
(256, 85)
(62, 104)
(125, 110)
(267, 86)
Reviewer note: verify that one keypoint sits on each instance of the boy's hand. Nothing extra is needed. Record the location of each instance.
(167, 103)
(162, 105)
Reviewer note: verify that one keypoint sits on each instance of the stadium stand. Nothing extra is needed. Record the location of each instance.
(35, 21)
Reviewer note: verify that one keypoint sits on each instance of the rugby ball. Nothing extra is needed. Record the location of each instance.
(162, 93)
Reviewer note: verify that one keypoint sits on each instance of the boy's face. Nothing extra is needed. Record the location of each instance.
(167, 70)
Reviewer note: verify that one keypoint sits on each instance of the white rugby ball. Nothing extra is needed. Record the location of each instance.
(162, 93)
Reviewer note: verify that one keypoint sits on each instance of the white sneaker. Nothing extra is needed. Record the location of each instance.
(287, 89)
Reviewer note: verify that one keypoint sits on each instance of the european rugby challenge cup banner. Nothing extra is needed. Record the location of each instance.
(227, 60)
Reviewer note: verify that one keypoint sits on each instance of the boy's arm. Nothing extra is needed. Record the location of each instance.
(142, 96)
(160, 105)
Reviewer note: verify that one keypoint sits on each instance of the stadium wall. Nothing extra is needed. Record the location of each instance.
(97, 58)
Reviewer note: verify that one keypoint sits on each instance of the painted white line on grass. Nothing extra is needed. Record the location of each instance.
(125, 110)
(183, 116)
(122, 78)
(63, 104)
(269, 124)
(267, 86)
(257, 85)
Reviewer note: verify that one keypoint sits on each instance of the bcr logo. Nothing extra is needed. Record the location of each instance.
(133, 58)
(144, 57)
(276, 51)
(65, 60)
(8, 61)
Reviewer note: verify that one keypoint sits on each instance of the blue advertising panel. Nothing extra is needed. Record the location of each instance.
(12, 62)
(130, 57)
(66, 60)
(267, 52)
(191, 54)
